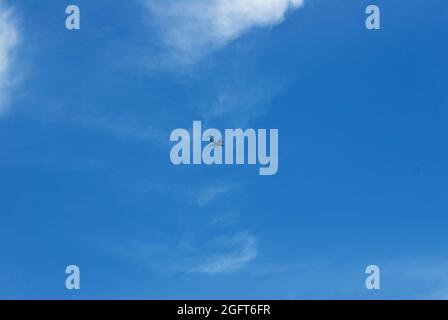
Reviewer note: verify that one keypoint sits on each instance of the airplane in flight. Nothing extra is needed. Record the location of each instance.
(218, 143)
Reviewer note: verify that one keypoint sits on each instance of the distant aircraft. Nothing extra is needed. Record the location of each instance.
(214, 143)
(218, 143)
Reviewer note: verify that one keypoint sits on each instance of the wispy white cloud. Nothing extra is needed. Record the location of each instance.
(189, 30)
(194, 28)
(128, 128)
(8, 41)
(208, 194)
(223, 219)
(240, 101)
(224, 254)
(201, 196)
(242, 249)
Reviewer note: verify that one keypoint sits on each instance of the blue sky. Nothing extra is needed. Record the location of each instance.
(85, 175)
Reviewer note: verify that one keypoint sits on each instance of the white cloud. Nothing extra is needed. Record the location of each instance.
(8, 41)
(238, 101)
(193, 28)
(199, 196)
(207, 195)
(128, 128)
(242, 249)
(224, 254)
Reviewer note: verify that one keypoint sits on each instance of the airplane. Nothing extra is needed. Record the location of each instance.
(214, 143)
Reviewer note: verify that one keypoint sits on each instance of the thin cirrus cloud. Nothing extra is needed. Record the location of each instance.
(191, 29)
(220, 255)
(8, 41)
(242, 249)
(200, 197)
(207, 195)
